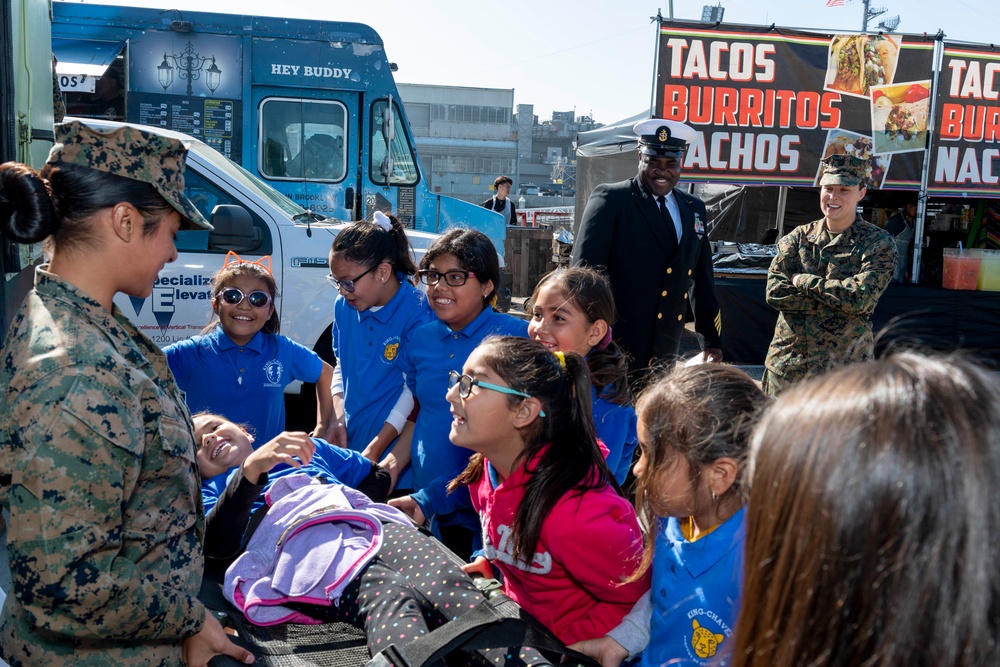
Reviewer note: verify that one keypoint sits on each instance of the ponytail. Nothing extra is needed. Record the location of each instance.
(368, 243)
(609, 373)
(401, 259)
(59, 201)
(571, 461)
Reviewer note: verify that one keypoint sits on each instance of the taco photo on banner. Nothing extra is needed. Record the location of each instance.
(858, 62)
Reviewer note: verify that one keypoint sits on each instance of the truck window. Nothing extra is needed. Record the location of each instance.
(104, 99)
(302, 140)
(402, 170)
(206, 196)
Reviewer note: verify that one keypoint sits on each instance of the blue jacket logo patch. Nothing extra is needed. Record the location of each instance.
(273, 371)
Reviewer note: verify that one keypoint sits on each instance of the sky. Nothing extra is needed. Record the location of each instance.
(592, 56)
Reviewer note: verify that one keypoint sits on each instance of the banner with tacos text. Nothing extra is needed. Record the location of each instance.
(965, 149)
(771, 103)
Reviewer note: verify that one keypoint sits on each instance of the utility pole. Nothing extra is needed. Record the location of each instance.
(870, 13)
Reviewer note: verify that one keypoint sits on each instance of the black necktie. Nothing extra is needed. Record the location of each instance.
(665, 214)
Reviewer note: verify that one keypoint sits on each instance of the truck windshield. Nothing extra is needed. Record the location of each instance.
(245, 178)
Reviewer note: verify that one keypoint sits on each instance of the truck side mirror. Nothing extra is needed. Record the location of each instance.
(388, 124)
(234, 229)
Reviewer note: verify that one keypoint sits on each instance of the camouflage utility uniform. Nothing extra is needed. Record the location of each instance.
(825, 287)
(97, 467)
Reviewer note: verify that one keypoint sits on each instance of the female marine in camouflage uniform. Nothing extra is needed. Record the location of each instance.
(97, 460)
(825, 281)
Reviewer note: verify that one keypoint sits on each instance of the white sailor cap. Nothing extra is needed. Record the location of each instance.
(663, 138)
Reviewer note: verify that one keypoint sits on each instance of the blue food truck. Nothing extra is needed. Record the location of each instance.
(309, 106)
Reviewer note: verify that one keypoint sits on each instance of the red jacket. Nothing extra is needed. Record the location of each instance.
(588, 545)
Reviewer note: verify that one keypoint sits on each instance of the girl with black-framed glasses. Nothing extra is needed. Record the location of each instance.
(462, 271)
(377, 306)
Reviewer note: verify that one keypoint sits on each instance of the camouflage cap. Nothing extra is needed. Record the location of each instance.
(131, 153)
(844, 170)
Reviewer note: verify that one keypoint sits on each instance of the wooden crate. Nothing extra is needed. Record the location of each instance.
(561, 253)
(528, 257)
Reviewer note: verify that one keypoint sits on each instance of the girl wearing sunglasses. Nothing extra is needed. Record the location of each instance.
(240, 365)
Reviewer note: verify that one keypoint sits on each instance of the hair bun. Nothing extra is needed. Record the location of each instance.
(26, 210)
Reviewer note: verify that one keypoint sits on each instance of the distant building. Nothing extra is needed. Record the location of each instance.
(565, 117)
(467, 137)
(464, 136)
(549, 152)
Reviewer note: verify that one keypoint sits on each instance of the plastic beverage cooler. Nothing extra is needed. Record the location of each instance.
(961, 268)
(989, 271)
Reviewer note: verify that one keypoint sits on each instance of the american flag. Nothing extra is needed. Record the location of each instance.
(834, 3)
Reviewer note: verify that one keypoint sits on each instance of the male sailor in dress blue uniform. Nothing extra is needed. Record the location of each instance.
(649, 238)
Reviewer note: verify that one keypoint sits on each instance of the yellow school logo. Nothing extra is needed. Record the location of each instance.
(704, 642)
(391, 350)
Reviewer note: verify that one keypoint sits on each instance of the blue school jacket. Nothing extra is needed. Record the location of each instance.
(616, 428)
(209, 369)
(431, 352)
(695, 594)
(332, 463)
(368, 346)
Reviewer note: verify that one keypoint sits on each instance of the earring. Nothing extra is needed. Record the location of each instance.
(715, 498)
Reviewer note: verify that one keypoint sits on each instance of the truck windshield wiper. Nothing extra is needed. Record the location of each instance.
(310, 217)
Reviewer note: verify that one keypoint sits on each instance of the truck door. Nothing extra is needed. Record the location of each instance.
(392, 166)
(307, 148)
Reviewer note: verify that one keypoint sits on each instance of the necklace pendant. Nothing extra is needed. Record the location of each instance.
(240, 380)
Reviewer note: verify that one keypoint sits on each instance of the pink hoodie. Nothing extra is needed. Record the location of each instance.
(588, 545)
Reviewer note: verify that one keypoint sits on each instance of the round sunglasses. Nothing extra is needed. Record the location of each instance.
(234, 297)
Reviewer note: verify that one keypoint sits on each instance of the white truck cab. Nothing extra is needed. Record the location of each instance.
(252, 219)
